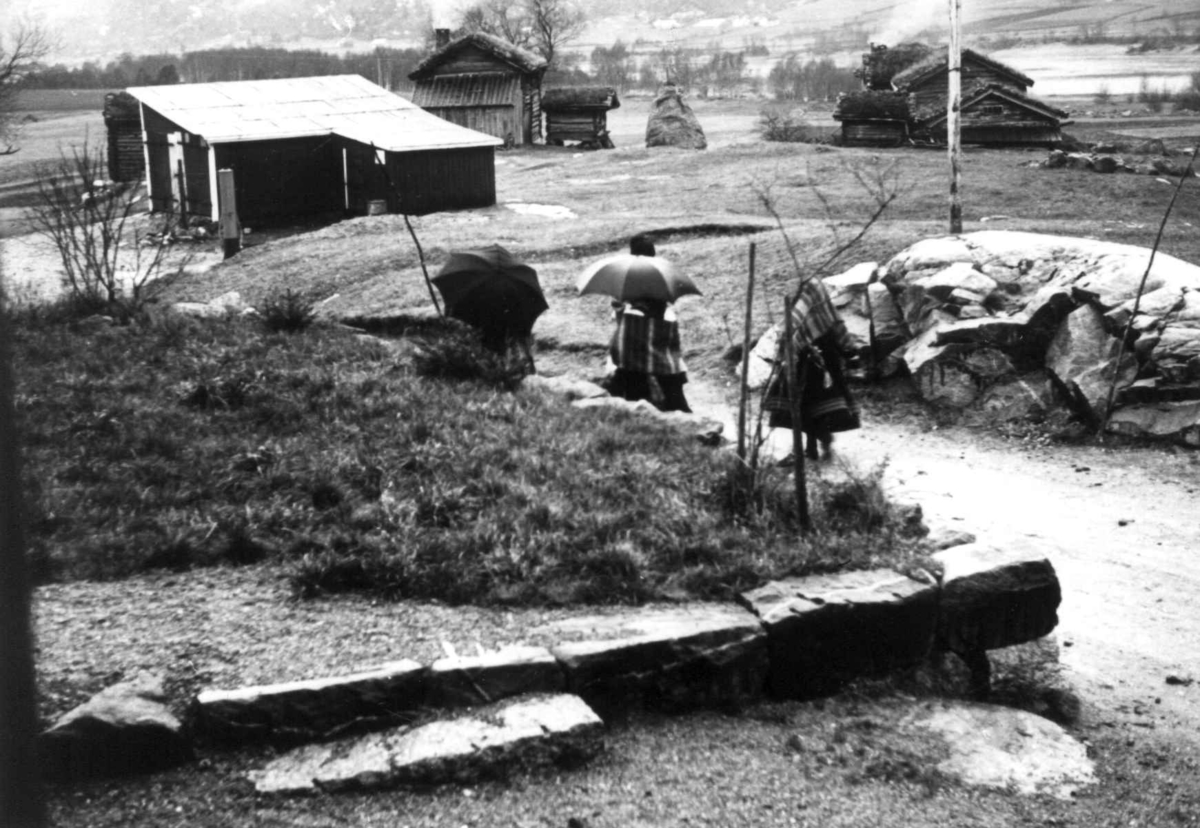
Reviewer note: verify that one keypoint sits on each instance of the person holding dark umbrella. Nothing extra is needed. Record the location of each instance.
(645, 347)
(490, 290)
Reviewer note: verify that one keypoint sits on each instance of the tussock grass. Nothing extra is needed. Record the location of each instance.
(183, 443)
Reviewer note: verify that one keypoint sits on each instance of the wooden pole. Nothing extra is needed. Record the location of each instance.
(953, 126)
(231, 225)
(795, 385)
(183, 194)
(746, 359)
(412, 232)
(21, 803)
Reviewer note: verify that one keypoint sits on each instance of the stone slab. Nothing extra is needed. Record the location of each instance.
(311, 709)
(996, 597)
(464, 681)
(827, 629)
(1009, 750)
(676, 658)
(495, 741)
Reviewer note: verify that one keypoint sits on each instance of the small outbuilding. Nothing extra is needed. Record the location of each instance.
(123, 123)
(873, 119)
(483, 83)
(579, 113)
(307, 146)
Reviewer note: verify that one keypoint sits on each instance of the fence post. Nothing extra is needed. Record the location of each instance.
(231, 227)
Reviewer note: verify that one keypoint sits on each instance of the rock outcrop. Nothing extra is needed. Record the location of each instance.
(672, 122)
(994, 321)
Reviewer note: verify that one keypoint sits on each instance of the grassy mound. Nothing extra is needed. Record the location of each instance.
(389, 466)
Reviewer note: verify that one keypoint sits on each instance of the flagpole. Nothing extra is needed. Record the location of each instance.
(953, 127)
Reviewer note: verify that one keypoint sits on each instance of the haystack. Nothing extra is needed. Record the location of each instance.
(673, 124)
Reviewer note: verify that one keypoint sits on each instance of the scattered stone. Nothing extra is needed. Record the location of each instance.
(493, 742)
(943, 538)
(478, 680)
(1179, 422)
(317, 708)
(1180, 682)
(565, 387)
(707, 431)
(701, 655)
(1007, 749)
(1106, 164)
(672, 122)
(827, 629)
(126, 728)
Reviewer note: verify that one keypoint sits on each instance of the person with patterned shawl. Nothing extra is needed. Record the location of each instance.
(645, 348)
(822, 343)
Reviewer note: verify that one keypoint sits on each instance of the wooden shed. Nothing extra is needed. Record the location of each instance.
(484, 83)
(123, 123)
(579, 113)
(873, 119)
(307, 146)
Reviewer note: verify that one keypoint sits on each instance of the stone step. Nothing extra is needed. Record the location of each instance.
(794, 638)
(493, 741)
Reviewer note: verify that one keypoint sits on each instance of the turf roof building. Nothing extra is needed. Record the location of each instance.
(579, 113)
(307, 146)
(907, 89)
(483, 83)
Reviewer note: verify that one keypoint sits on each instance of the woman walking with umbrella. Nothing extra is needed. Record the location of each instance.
(645, 347)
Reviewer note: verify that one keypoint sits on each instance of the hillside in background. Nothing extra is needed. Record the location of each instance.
(102, 30)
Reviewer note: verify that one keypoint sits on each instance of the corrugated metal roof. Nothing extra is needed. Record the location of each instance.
(347, 105)
(468, 90)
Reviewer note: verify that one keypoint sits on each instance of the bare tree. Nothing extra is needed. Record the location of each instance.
(20, 52)
(107, 264)
(505, 20)
(543, 26)
(555, 23)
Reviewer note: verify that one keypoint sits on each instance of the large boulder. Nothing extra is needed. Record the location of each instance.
(126, 728)
(984, 308)
(672, 122)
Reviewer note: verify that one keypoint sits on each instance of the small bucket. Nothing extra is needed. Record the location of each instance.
(376, 207)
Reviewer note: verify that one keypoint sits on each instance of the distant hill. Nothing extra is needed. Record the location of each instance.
(102, 29)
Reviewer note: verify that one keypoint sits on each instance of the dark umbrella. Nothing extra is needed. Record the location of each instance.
(488, 289)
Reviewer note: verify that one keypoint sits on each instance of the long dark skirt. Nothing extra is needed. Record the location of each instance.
(663, 391)
(826, 404)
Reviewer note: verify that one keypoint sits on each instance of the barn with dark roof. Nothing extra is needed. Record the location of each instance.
(486, 84)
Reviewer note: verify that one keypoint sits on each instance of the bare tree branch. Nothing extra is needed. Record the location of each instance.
(20, 53)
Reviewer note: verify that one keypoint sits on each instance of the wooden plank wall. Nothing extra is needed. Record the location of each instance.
(435, 180)
(500, 121)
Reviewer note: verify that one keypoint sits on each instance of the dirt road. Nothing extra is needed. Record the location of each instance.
(1123, 530)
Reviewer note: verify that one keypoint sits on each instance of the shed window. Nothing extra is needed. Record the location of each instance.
(991, 109)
